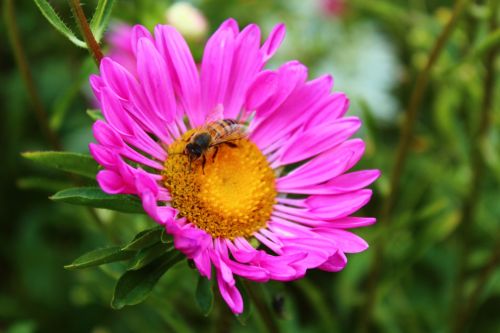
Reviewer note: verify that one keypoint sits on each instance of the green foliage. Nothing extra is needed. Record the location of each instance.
(135, 285)
(204, 295)
(375, 50)
(95, 114)
(101, 17)
(100, 256)
(79, 164)
(95, 197)
(55, 20)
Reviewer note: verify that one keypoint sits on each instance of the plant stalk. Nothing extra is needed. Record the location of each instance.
(27, 77)
(88, 36)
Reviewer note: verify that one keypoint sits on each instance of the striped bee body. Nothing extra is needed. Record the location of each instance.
(211, 136)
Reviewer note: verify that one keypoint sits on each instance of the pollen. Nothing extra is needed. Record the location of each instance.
(231, 196)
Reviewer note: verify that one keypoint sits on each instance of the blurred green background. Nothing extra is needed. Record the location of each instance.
(433, 261)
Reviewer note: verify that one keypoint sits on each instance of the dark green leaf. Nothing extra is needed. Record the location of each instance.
(80, 164)
(166, 237)
(204, 295)
(144, 239)
(134, 286)
(99, 257)
(45, 184)
(95, 197)
(101, 18)
(95, 114)
(58, 23)
(147, 255)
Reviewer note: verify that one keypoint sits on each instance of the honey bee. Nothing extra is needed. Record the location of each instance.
(210, 137)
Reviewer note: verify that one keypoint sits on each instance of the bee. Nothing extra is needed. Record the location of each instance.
(210, 137)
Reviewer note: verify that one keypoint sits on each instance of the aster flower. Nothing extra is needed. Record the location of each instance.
(237, 212)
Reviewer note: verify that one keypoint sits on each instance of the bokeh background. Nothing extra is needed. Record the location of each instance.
(433, 261)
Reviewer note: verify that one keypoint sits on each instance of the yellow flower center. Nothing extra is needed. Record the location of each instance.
(231, 196)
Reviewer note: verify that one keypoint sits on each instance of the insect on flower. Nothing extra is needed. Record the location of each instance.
(211, 136)
(215, 180)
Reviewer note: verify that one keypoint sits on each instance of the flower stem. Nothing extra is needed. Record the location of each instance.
(24, 69)
(461, 310)
(402, 153)
(84, 27)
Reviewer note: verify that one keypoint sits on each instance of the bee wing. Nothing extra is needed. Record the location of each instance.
(215, 114)
(237, 134)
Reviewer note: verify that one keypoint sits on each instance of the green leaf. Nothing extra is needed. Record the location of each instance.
(487, 43)
(94, 197)
(80, 164)
(145, 239)
(101, 18)
(204, 295)
(147, 255)
(44, 184)
(95, 114)
(134, 286)
(100, 256)
(166, 237)
(58, 23)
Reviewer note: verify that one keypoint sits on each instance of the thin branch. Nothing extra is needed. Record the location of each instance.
(24, 69)
(84, 27)
(402, 153)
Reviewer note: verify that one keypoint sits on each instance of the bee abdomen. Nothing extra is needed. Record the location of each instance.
(223, 127)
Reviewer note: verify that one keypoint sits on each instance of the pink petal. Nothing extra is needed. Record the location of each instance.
(230, 294)
(216, 67)
(335, 263)
(106, 136)
(335, 107)
(262, 88)
(247, 61)
(111, 182)
(318, 139)
(139, 32)
(289, 76)
(273, 42)
(336, 206)
(344, 183)
(344, 240)
(182, 70)
(293, 112)
(323, 167)
(115, 115)
(153, 74)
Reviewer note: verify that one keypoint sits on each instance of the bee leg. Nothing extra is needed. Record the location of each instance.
(203, 162)
(215, 153)
(231, 144)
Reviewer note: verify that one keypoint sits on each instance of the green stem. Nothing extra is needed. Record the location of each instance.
(402, 153)
(461, 309)
(84, 27)
(24, 69)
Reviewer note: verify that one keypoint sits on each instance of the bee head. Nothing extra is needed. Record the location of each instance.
(194, 150)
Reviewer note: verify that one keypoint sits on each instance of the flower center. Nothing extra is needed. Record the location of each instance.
(232, 195)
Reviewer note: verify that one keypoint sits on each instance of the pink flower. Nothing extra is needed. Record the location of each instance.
(333, 7)
(235, 208)
(120, 48)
